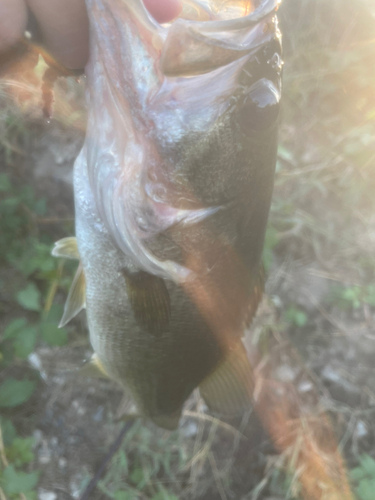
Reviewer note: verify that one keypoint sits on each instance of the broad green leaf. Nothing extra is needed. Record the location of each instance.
(366, 489)
(20, 452)
(15, 392)
(370, 295)
(296, 316)
(40, 206)
(137, 476)
(54, 315)
(54, 335)
(8, 431)
(6, 354)
(5, 184)
(358, 473)
(10, 203)
(15, 482)
(29, 297)
(14, 328)
(30, 495)
(36, 258)
(368, 464)
(25, 342)
(300, 318)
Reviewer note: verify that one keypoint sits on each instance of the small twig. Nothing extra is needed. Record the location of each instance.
(52, 289)
(54, 220)
(213, 420)
(219, 484)
(2, 450)
(113, 449)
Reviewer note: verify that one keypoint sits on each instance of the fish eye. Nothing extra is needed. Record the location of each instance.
(260, 106)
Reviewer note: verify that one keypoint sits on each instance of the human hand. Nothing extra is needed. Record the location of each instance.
(64, 25)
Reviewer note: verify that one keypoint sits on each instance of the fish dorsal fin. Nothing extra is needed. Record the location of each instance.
(93, 368)
(150, 301)
(76, 299)
(229, 389)
(66, 248)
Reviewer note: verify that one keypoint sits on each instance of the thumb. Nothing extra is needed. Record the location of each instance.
(163, 10)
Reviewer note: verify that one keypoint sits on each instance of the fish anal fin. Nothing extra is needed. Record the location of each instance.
(93, 369)
(66, 248)
(76, 299)
(150, 301)
(127, 408)
(228, 390)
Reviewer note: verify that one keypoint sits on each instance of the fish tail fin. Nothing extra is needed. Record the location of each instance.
(229, 389)
(93, 368)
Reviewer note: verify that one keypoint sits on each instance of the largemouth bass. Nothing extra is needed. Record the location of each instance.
(172, 193)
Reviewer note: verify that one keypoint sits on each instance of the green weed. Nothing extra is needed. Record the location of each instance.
(147, 466)
(296, 316)
(16, 453)
(35, 274)
(29, 254)
(353, 297)
(363, 478)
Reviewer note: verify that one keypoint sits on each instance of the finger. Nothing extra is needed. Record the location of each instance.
(163, 10)
(13, 21)
(65, 29)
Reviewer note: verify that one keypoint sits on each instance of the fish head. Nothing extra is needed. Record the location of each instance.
(153, 90)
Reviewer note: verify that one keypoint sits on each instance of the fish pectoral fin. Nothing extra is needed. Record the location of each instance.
(150, 301)
(76, 299)
(66, 248)
(229, 389)
(93, 369)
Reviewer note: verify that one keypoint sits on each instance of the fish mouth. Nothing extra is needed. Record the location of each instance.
(221, 14)
(208, 10)
(209, 15)
(208, 34)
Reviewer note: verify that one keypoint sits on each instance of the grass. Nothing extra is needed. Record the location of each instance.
(29, 279)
